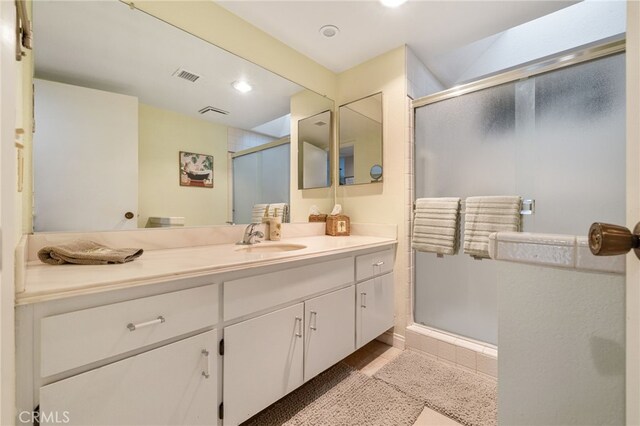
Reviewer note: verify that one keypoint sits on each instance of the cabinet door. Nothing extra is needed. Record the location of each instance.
(165, 386)
(263, 361)
(374, 307)
(330, 330)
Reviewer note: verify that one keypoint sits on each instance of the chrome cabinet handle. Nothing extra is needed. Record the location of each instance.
(299, 321)
(133, 327)
(379, 263)
(206, 370)
(363, 300)
(314, 316)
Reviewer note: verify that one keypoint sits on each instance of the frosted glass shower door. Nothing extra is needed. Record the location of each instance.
(260, 177)
(557, 138)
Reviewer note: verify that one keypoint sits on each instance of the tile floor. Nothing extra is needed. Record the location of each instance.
(372, 357)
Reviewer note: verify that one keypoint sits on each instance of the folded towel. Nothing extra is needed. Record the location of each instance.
(486, 215)
(280, 210)
(436, 225)
(84, 252)
(258, 212)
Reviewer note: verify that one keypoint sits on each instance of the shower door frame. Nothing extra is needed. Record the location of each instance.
(632, 275)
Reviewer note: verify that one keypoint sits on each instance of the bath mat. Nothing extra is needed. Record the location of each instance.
(341, 396)
(465, 397)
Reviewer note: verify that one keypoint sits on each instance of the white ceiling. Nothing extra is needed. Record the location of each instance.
(105, 45)
(368, 29)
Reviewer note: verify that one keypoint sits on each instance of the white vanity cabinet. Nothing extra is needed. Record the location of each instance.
(374, 308)
(144, 360)
(175, 384)
(374, 295)
(212, 349)
(263, 361)
(330, 330)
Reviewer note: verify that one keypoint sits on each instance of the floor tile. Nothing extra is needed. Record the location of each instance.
(428, 417)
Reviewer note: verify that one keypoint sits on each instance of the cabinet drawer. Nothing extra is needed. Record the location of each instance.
(253, 294)
(78, 338)
(370, 265)
(165, 386)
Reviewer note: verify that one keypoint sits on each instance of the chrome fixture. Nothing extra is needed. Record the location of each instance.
(249, 235)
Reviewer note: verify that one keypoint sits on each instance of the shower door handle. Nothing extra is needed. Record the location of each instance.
(611, 240)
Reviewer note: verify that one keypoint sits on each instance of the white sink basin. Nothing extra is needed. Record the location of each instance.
(270, 248)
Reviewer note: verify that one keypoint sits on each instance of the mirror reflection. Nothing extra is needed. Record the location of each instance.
(360, 136)
(314, 151)
(138, 119)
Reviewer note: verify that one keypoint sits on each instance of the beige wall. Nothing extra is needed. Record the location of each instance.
(305, 104)
(384, 202)
(162, 135)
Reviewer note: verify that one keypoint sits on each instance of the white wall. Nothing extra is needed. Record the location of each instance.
(314, 173)
(577, 25)
(85, 158)
(562, 356)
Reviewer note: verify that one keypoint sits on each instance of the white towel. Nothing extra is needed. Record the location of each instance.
(436, 225)
(258, 212)
(486, 215)
(282, 210)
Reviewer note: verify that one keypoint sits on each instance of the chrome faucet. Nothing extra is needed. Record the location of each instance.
(250, 234)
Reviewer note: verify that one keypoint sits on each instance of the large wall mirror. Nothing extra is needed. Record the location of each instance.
(139, 123)
(360, 136)
(314, 151)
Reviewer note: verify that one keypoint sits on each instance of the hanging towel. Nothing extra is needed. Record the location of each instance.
(258, 212)
(280, 210)
(84, 252)
(486, 215)
(436, 225)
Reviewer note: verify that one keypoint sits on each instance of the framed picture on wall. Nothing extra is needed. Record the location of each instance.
(196, 169)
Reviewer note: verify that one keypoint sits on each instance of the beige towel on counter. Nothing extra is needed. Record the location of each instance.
(436, 225)
(486, 215)
(84, 252)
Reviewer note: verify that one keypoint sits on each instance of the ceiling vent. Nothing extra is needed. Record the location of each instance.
(320, 123)
(213, 109)
(186, 75)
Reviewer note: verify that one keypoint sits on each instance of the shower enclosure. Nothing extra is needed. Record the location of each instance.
(553, 133)
(259, 177)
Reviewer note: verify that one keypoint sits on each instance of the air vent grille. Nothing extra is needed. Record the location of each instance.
(213, 109)
(186, 75)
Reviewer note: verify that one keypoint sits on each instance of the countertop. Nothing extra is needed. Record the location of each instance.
(47, 282)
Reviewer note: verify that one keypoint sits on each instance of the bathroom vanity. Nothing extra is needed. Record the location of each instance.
(199, 335)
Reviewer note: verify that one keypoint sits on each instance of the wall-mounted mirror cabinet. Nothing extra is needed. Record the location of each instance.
(136, 119)
(314, 151)
(360, 136)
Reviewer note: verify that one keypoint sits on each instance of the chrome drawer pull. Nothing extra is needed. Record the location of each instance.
(363, 300)
(299, 321)
(314, 316)
(379, 263)
(205, 373)
(133, 327)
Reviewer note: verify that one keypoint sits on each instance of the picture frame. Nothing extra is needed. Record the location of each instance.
(195, 169)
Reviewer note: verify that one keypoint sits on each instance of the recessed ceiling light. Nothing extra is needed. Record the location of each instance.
(392, 3)
(242, 86)
(329, 31)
